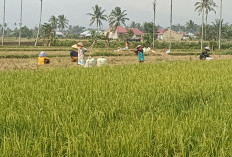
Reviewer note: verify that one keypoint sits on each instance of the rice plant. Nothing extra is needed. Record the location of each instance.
(163, 109)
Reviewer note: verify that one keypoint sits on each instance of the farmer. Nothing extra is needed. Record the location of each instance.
(74, 53)
(204, 54)
(42, 59)
(126, 46)
(140, 53)
(81, 52)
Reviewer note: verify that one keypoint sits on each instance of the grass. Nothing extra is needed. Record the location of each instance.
(163, 109)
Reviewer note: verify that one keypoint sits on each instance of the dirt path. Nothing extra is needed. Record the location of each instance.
(62, 62)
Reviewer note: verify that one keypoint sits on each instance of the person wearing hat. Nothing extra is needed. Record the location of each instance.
(81, 52)
(204, 54)
(42, 59)
(74, 53)
(140, 53)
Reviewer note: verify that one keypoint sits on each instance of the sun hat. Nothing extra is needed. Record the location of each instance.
(139, 46)
(80, 44)
(74, 46)
(207, 48)
(42, 54)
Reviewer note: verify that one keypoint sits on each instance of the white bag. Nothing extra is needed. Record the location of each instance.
(101, 61)
(209, 58)
(90, 62)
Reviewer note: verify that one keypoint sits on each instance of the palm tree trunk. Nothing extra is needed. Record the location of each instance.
(154, 9)
(3, 23)
(206, 26)
(170, 43)
(20, 23)
(41, 7)
(220, 28)
(202, 29)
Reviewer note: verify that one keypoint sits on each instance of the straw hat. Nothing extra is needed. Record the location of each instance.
(139, 46)
(74, 46)
(42, 54)
(207, 48)
(80, 44)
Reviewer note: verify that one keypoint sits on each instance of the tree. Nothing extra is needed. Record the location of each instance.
(37, 36)
(117, 17)
(191, 26)
(97, 15)
(200, 8)
(148, 28)
(3, 23)
(53, 21)
(20, 22)
(209, 6)
(135, 25)
(204, 7)
(48, 34)
(62, 22)
(170, 43)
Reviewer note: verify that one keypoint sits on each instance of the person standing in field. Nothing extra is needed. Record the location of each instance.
(81, 52)
(204, 54)
(42, 59)
(140, 53)
(74, 54)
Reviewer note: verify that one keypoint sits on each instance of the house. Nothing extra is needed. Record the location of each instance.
(164, 34)
(85, 34)
(115, 34)
(119, 31)
(60, 34)
(138, 35)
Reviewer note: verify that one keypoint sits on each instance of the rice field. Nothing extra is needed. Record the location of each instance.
(161, 109)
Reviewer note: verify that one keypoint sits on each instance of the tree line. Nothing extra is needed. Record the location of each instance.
(118, 17)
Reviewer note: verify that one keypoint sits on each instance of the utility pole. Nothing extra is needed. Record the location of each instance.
(3, 23)
(220, 28)
(41, 7)
(154, 9)
(170, 43)
(20, 23)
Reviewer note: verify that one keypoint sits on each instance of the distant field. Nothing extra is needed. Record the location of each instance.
(162, 109)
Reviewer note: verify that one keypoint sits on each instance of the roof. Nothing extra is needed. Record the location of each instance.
(161, 31)
(120, 29)
(136, 31)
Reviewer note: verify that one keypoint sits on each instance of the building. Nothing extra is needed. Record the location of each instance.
(115, 33)
(164, 34)
(138, 35)
(120, 31)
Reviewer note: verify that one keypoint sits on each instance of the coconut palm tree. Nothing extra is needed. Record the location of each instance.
(3, 23)
(209, 6)
(97, 15)
(41, 9)
(62, 22)
(154, 9)
(53, 21)
(117, 17)
(200, 8)
(170, 43)
(20, 23)
(220, 27)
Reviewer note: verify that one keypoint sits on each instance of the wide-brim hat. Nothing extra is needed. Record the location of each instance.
(80, 44)
(139, 46)
(42, 54)
(207, 48)
(74, 46)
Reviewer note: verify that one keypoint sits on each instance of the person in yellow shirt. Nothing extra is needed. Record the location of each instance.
(42, 59)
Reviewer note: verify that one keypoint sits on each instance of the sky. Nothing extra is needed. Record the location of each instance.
(138, 10)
